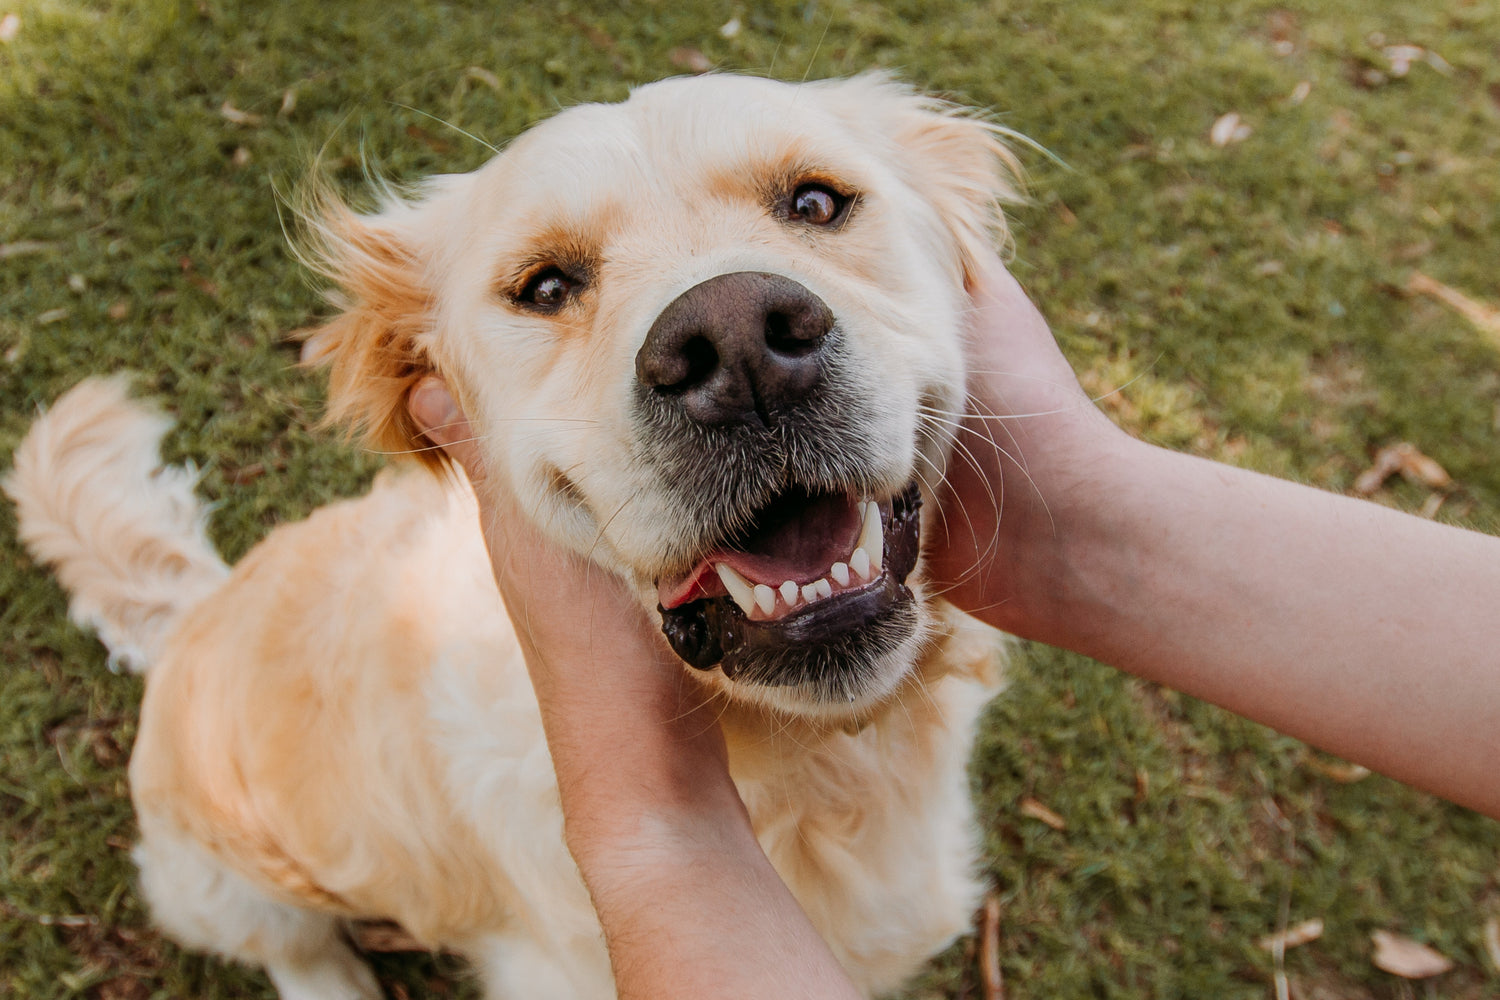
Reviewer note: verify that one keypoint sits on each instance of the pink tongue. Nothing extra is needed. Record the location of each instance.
(797, 538)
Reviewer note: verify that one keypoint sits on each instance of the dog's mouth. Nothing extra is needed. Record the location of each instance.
(813, 569)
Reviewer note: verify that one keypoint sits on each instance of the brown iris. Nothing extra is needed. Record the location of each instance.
(817, 205)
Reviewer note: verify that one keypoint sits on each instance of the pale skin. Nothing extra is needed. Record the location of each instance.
(1369, 633)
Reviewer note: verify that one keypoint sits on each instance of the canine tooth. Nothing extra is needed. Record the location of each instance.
(870, 537)
(862, 505)
(823, 587)
(765, 598)
(739, 588)
(860, 563)
(809, 593)
(840, 572)
(789, 593)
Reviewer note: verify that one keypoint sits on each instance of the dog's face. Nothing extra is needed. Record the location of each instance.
(710, 337)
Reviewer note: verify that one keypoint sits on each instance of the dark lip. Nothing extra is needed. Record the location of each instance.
(714, 631)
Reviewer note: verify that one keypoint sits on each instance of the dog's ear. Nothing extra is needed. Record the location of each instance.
(961, 163)
(376, 348)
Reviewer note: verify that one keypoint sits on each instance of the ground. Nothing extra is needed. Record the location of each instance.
(1237, 289)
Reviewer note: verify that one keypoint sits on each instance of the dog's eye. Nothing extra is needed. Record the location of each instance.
(548, 289)
(818, 205)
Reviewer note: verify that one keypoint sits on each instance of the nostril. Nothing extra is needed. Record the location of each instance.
(791, 336)
(696, 361)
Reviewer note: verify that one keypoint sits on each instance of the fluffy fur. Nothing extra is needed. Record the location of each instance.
(343, 727)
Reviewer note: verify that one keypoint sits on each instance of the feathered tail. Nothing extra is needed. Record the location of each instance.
(124, 533)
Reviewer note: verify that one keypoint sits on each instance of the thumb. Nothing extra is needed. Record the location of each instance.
(436, 412)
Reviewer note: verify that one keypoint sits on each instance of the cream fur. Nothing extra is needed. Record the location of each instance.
(344, 727)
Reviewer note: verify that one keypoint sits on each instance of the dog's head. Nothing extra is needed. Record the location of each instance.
(711, 338)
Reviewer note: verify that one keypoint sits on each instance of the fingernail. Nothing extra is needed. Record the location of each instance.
(433, 408)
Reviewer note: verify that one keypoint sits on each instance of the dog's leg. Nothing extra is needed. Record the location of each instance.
(204, 905)
(513, 966)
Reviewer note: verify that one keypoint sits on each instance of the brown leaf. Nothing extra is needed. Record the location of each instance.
(22, 247)
(1340, 771)
(1484, 317)
(383, 936)
(1031, 807)
(1402, 457)
(1492, 941)
(992, 979)
(1298, 934)
(234, 114)
(429, 140)
(1401, 956)
(690, 59)
(1228, 129)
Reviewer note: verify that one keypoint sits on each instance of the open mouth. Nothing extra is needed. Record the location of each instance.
(811, 569)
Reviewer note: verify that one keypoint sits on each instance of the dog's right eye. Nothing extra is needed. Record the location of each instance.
(548, 289)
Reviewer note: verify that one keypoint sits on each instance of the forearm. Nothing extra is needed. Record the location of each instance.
(696, 910)
(1370, 633)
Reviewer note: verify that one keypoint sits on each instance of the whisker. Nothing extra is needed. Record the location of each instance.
(442, 121)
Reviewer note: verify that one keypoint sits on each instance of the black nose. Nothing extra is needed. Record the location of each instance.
(737, 348)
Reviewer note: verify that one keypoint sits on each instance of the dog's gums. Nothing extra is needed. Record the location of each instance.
(746, 619)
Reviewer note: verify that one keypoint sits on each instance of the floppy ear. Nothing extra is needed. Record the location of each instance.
(375, 348)
(961, 163)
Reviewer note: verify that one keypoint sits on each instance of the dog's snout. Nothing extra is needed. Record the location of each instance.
(737, 347)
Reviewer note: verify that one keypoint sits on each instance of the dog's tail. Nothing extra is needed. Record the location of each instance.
(124, 533)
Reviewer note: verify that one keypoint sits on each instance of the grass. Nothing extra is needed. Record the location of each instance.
(1250, 297)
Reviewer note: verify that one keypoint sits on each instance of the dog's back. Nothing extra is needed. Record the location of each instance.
(124, 533)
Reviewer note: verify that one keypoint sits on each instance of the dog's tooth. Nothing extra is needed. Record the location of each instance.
(789, 593)
(739, 588)
(765, 598)
(840, 572)
(823, 587)
(862, 505)
(859, 562)
(870, 537)
(809, 593)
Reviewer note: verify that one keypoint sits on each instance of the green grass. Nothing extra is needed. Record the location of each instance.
(1249, 295)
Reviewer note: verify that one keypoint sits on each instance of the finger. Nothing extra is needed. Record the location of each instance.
(434, 409)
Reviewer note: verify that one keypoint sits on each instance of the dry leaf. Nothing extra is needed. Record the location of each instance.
(10, 27)
(1492, 941)
(1031, 807)
(288, 102)
(1486, 318)
(992, 979)
(426, 138)
(1296, 935)
(1404, 458)
(383, 936)
(1402, 56)
(1301, 91)
(1228, 129)
(1340, 771)
(21, 247)
(234, 114)
(240, 157)
(1401, 956)
(690, 59)
(730, 28)
(53, 316)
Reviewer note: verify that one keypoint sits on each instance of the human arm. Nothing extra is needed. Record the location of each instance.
(1370, 633)
(689, 903)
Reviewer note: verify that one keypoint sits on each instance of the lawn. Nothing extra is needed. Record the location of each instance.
(1248, 298)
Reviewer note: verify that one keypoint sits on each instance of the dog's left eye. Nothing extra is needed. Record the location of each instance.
(817, 205)
(549, 289)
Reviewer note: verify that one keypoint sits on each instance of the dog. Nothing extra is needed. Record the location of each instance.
(711, 336)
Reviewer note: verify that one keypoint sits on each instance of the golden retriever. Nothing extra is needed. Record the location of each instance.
(712, 336)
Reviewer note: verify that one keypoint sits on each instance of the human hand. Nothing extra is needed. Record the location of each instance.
(1027, 462)
(629, 732)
